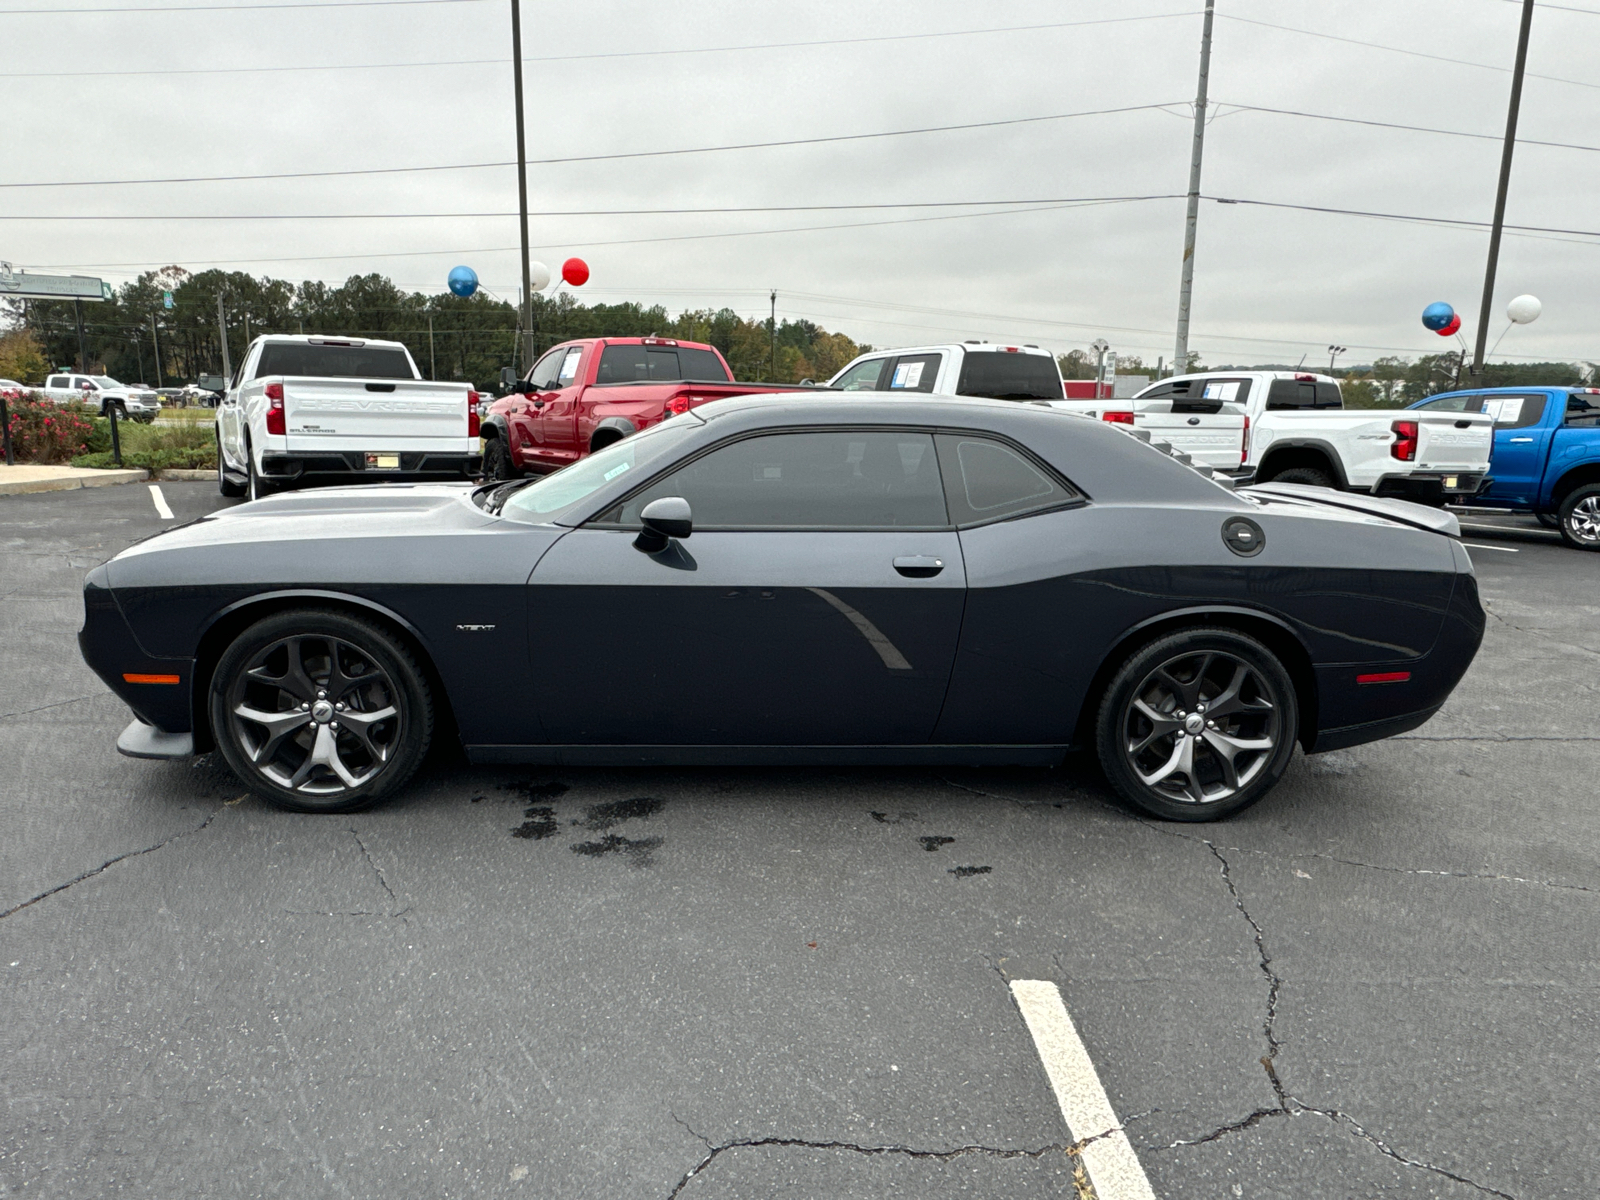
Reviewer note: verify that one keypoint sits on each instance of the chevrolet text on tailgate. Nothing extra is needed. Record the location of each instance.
(326, 409)
(1293, 427)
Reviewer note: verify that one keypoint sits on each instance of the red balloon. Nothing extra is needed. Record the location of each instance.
(576, 272)
(1455, 324)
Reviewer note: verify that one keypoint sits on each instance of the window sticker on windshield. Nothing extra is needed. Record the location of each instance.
(907, 375)
(1222, 391)
(1504, 409)
(616, 470)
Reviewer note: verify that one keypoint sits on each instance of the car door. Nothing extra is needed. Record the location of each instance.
(864, 376)
(1521, 445)
(817, 602)
(556, 421)
(526, 410)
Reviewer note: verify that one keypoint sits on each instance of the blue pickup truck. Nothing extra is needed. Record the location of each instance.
(1546, 457)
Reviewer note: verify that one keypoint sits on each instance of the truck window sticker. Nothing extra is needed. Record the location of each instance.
(1504, 409)
(907, 375)
(1225, 390)
(569, 366)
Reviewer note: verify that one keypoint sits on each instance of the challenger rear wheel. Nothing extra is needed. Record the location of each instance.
(318, 711)
(1197, 725)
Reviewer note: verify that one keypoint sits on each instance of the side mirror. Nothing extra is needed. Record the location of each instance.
(507, 377)
(808, 383)
(664, 519)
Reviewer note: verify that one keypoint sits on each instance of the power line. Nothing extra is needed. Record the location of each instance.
(566, 58)
(1415, 220)
(847, 137)
(1289, 112)
(1460, 62)
(593, 212)
(51, 12)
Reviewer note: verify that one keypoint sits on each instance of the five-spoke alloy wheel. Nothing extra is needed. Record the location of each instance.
(319, 711)
(1197, 724)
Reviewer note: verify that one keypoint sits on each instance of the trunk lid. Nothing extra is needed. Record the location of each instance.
(1418, 516)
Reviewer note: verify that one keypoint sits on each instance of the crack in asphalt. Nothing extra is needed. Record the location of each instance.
(1491, 737)
(46, 707)
(714, 1150)
(382, 882)
(1539, 633)
(109, 863)
(1264, 960)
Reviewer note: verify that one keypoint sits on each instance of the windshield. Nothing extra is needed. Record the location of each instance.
(544, 498)
(105, 381)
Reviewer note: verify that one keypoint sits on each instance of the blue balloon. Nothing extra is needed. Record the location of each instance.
(1436, 316)
(463, 281)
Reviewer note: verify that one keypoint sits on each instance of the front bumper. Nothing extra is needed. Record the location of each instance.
(350, 466)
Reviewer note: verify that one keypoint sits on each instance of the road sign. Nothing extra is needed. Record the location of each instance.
(166, 299)
(28, 285)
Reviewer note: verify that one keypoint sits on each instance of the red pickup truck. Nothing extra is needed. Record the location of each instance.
(586, 394)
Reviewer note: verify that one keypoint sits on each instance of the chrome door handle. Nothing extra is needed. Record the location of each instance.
(918, 566)
(1521, 439)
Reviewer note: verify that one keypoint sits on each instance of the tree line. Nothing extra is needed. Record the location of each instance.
(450, 337)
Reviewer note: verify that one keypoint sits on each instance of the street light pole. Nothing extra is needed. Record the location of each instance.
(1333, 353)
(1180, 354)
(773, 329)
(156, 343)
(1505, 180)
(522, 186)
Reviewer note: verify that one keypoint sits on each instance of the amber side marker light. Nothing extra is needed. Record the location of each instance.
(1385, 677)
(150, 679)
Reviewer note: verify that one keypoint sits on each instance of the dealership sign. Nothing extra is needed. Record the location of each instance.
(27, 285)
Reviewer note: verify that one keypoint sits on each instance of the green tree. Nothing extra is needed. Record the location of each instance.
(22, 357)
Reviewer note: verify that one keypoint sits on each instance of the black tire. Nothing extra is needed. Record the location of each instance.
(326, 679)
(1307, 475)
(497, 466)
(1580, 518)
(1548, 520)
(122, 409)
(1251, 698)
(225, 485)
(256, 488)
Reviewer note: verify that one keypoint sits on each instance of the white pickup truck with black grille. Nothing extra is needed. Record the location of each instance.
(1292, 427)
(303, 410)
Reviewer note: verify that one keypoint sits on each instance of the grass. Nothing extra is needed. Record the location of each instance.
(170, 445)
(187, 416)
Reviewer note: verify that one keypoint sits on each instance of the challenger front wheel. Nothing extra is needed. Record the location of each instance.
(318, 711)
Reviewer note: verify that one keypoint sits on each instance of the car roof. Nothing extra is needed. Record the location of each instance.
(912, 408)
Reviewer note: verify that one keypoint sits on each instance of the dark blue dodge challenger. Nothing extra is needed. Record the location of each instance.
(796, 580)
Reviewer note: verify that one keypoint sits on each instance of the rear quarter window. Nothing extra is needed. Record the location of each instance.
(987, 480)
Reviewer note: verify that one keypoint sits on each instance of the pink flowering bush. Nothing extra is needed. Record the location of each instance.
(42, 432)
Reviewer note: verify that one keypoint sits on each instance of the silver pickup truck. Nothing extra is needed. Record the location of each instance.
(307, 409)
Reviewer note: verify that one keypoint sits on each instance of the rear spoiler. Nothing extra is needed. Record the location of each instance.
(1418, 516)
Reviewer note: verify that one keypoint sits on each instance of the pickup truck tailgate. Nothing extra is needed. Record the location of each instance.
(1214, 439)
(1450, 441)
(359, 414)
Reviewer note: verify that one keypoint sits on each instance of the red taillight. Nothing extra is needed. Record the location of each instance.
(1244, 448)
(473, 425)
(1384, 677)
(275, 419)
(1117, 418)
(1405, 440)
(677, 406)
(1304, 378)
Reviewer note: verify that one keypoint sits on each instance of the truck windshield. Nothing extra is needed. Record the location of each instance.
(660, 364)
(547, 497)
(1001, 376)
(333, 362)
(105, 381)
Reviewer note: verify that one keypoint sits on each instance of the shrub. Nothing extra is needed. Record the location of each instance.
(42, 432)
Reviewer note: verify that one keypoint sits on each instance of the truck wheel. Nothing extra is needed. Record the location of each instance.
(256, 487)
(1580, 518)
(497, 466)
(225, 485)
(1197, 725)
(1548, 520)
(1307, 475)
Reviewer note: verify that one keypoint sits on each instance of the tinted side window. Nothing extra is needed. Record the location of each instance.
(1329, 396)
(56, 381)
(987, 480)
(845, 479)
(1583, 410)
(1513, 412)
(914, 373)
(864, 376)
(543, 375)
(1462, 404)
(569, 366)
(1002, 376)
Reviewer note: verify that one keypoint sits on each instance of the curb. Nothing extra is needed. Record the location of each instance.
(187, 473)
(71, 483)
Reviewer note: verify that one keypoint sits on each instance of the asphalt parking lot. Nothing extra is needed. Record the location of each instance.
(1380, 981)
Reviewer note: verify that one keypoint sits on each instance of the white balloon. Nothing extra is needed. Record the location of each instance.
(1524, 309)
(539, 277)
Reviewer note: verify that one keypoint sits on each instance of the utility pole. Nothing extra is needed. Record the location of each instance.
(432, 370)
(138, 354)
(222, 332)
(773, 328)
(156, 343)
(522, 185)
(83, 348)
(1505, 180)
(1180, 354)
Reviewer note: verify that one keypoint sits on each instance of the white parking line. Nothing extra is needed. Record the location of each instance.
(1109, 1158)
(162, 511)
(1502, 549)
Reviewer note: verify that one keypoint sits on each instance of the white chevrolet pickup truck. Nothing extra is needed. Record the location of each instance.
(998, 372)
(303, 410)
(1293, 427)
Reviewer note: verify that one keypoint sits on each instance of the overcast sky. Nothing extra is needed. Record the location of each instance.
(161, 94)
